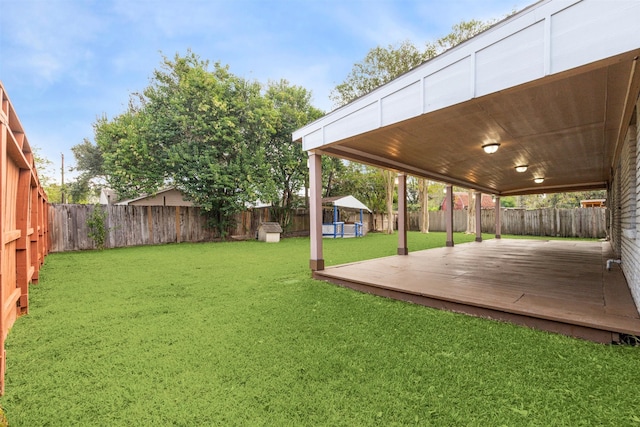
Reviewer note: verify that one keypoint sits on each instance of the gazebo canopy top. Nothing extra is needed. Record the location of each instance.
(345, 202)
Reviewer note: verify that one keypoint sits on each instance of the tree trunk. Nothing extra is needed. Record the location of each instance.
(327, 191)
(423, 196)
(390, 186)
(306, 193)
(471, 213)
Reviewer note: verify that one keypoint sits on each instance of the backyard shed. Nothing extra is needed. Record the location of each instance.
(169, 196)
(269, 232)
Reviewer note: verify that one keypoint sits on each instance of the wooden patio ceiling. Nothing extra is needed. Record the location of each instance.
(566, 128)
(554, 85)
(557, 286)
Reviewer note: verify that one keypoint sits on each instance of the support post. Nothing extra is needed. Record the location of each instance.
(449, 215)
(498, 218)
(316, 262)
(402, 215)
(478, 216)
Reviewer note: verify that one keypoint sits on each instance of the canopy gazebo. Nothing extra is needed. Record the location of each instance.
(339, 228)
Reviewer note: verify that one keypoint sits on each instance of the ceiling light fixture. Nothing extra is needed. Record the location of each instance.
(522, 168)
(491, 148)
(538, 180)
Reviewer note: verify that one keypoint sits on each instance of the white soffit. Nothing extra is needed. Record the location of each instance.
(547, 38)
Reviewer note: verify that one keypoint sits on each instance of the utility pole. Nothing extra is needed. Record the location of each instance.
(62, 173)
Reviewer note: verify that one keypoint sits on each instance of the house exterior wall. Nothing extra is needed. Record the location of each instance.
(171, 197)
(461, 201)
(625, 215)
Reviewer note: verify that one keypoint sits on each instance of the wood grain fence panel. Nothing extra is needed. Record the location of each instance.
(188, 233)
(23, 244)
(16, 265)
(577, 222)
(143, 225)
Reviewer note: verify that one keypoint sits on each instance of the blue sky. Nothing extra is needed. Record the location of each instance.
(66, 62)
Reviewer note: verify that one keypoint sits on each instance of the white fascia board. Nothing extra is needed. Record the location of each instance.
(488, 63)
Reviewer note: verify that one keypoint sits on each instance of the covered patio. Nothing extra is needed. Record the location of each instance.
(558, 286)
(544, 101)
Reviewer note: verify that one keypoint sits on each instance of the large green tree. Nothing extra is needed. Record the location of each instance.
(379, 66)
(203, 130)
(286, 160)
(133, 163)
(89, 164)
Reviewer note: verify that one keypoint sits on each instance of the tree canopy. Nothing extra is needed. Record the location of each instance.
(213, 135)
(383, 64)
(286, 159)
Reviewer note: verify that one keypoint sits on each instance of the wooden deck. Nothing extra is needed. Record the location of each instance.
(557, 286)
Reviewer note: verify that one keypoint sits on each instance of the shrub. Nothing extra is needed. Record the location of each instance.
(97, 223)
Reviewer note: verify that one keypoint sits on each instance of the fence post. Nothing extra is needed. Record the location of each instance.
(178, 231)
(498, 215)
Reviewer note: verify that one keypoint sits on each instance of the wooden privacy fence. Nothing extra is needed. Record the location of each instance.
(148, 225)
(23, 219)
(578, 222)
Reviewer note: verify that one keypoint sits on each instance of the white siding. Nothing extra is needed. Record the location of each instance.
(314, 139)
(513, 60)
(359, 121)
(629, 179)
(448, 86)
(577, 35)
(402, 104)
(625, 221)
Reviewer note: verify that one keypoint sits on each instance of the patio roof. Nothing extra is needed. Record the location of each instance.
(554, 85)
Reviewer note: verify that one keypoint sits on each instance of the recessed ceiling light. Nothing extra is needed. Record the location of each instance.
(538, 180)
(491, 148)
(522, 168)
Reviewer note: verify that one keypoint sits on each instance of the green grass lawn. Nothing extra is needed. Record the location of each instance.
(238, 334)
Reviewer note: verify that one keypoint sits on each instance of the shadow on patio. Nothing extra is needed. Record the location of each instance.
(557, 286)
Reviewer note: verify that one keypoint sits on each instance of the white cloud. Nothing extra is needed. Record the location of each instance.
(47, 40)
(378, 24)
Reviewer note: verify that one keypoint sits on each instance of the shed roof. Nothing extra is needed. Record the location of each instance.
(145, 196)
(270, 227)
(554, 84)
(345, 202)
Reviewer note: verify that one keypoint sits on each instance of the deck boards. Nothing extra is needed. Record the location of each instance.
(561, 286)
